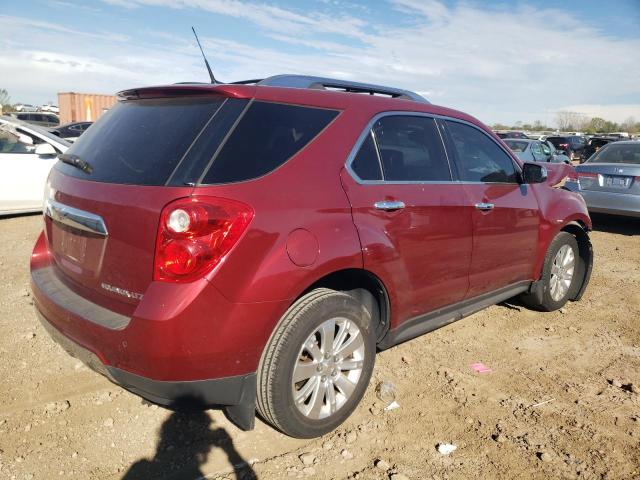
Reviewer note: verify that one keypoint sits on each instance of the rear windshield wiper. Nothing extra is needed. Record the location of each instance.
(75, 161)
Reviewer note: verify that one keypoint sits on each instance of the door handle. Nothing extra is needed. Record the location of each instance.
(484, 206)
(389, 206)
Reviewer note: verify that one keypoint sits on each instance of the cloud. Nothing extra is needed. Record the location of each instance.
(270, 17)
(499, 64)
(616, 112)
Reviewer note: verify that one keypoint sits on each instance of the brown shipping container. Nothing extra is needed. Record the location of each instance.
(83, 107)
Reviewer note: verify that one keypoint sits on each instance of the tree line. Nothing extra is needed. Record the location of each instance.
(576, 122)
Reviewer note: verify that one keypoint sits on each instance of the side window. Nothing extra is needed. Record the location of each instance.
(267, 136)
(366, 164)
(35, 140)
(536, 149)
(479, 158)
(545, 149)
(411, 149)
(14, 142)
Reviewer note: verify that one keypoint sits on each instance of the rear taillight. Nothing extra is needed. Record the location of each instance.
(195, 234)
(587, 178)
(572, 176)
(563, 145)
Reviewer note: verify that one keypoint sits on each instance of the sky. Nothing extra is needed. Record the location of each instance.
(503, 61)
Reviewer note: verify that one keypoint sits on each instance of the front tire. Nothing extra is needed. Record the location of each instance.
(317, 364)
(561, 274)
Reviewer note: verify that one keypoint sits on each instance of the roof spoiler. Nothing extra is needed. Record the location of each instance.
(285, 81)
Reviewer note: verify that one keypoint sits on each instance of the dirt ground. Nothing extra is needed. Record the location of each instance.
(562, 399)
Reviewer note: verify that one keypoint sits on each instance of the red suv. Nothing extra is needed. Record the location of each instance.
(252, 245)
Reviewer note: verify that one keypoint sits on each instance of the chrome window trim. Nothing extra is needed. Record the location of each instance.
(369, 129)
(377, 147)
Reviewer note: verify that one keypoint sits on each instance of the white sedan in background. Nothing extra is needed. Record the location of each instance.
(27, 153)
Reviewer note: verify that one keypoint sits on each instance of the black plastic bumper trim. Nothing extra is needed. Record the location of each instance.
(236, 394)
(51, 286)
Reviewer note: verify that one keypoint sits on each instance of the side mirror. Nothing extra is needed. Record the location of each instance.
(533, 173)
(45, 149)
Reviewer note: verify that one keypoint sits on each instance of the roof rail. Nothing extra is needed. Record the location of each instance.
(304, 81)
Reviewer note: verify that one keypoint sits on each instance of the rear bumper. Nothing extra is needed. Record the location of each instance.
(612, 203)
(237, 394)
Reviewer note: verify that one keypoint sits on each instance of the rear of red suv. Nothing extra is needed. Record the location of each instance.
(133, 270)
(250, 246)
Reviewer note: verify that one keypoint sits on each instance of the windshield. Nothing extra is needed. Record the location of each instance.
(517, 146)
(618, 153)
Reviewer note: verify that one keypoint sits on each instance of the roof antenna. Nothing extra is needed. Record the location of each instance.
(213, 79)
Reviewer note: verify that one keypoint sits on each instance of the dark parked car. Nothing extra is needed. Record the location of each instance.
(609, 180)
(37, 118)
(71, 131)
(572, 145)
(596, 143)
(254, 245)
(534, 151)
(511, 135)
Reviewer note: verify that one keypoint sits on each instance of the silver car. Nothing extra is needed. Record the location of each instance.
(609, 181)
(529, 150)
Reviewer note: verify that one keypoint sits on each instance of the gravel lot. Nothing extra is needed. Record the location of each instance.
(562, 399)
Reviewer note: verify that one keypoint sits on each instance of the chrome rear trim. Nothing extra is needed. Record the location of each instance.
(75, 218)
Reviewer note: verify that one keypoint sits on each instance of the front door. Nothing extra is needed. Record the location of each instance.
(504, 211)
(412, 220)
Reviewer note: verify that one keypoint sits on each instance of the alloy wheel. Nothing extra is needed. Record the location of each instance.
(328, 368)
(562, 272)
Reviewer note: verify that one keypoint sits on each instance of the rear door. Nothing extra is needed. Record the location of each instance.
(411, 217)
(504, 212)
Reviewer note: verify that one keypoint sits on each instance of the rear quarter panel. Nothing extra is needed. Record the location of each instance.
(302, 214)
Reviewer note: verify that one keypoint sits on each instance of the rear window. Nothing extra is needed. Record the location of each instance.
(142, 141)
(516, 146)
(266, 137)
(617, 153)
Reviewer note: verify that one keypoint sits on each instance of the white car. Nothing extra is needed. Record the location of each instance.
(25, 107)
(27, 153)
(50, 108)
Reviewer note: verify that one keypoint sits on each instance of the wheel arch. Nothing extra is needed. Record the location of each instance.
(367, 287)
(580, 231)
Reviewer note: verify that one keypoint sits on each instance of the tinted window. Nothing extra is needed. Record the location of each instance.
(366, 164)
(618, 153)
(141, 142)
(266, 137)
(479, 158)
(411, 149)
(516, 145)
(558, 140)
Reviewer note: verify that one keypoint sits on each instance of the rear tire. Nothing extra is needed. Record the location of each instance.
(561, 274)
(326, 339)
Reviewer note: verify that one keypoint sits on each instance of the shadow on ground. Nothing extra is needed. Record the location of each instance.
(186, 439)
(616, 224)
